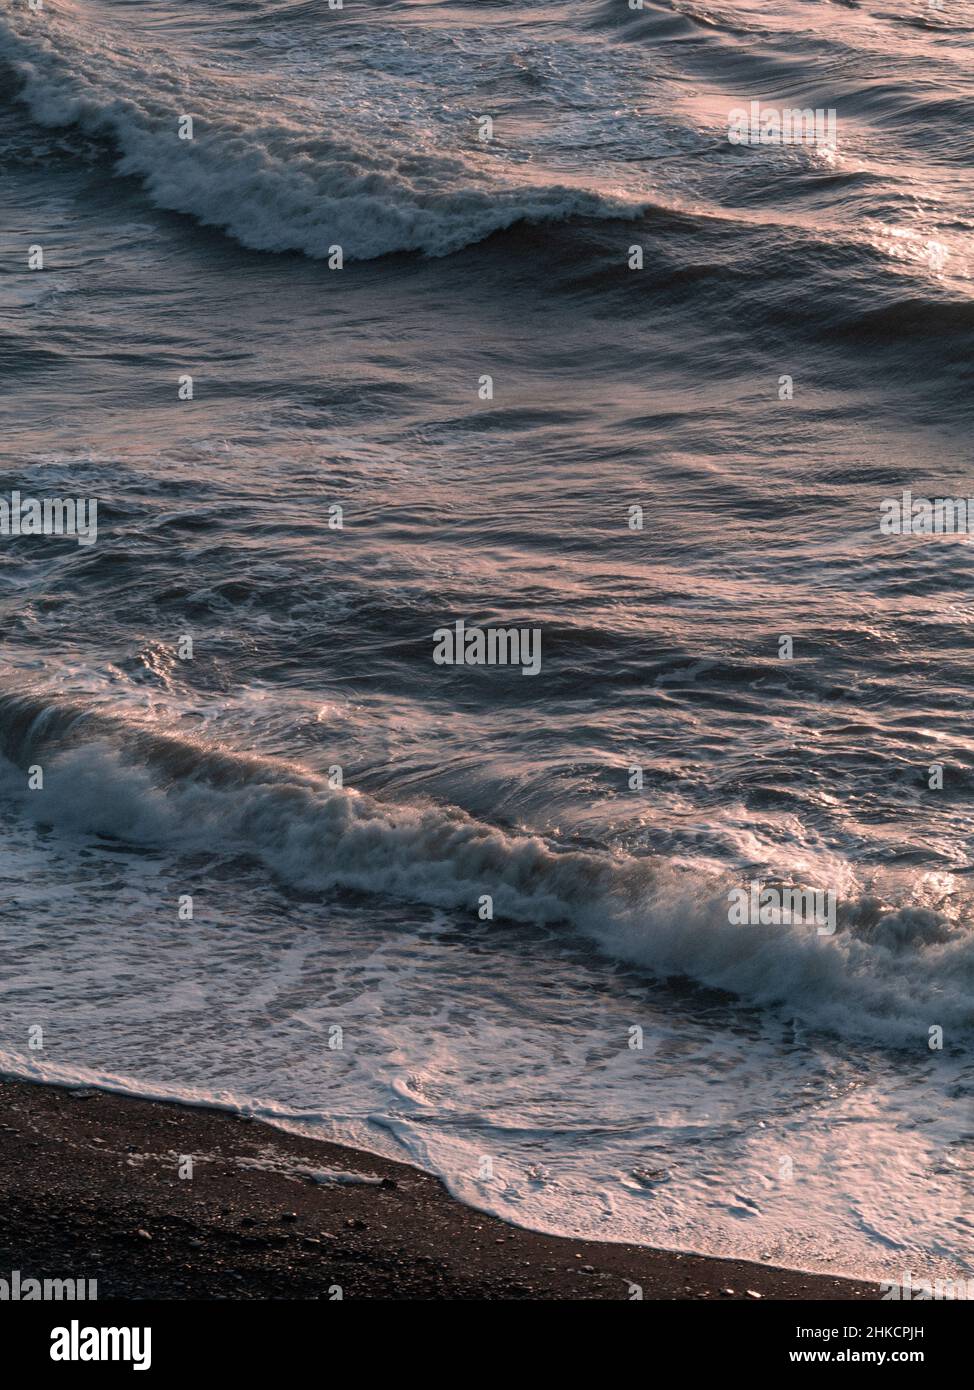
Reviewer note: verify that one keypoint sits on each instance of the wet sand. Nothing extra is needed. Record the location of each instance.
(90, 1188)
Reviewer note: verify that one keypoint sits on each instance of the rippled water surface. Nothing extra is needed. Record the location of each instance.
(609, 1055)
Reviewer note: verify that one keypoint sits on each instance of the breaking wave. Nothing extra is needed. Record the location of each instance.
(276, 182)
(887, 974)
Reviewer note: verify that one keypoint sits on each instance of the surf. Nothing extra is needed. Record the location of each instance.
(287, 182)
(887, 974)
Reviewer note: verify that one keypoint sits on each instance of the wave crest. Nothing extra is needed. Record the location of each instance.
(888, 975)
(280, 184)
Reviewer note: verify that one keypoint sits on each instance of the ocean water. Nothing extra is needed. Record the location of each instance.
(608, 1055)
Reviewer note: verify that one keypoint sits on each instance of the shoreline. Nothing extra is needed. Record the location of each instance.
(90, 1188)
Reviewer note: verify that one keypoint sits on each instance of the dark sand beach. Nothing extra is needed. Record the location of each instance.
(89, 1189)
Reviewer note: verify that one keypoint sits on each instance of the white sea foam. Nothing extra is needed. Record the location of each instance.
(886, 974)
(277, 173)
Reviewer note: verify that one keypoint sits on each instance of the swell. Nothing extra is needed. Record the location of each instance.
(272, 183)
(913, 318)
(887, 974)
